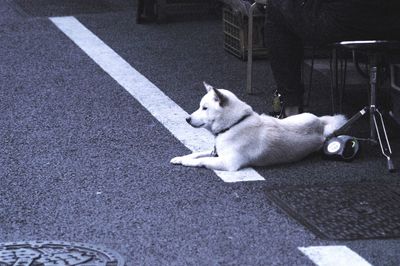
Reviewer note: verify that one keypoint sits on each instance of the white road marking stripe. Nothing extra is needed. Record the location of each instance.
(334, 256)
(153, 99)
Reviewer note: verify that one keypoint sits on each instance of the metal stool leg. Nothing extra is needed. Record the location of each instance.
(333, 65)
(249, 86)
(307, 100)
(139, 11)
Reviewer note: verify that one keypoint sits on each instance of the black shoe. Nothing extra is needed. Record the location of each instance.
(292, 110)
(279, 110)
(277, 106)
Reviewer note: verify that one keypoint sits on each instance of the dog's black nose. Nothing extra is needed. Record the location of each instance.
(188, 119)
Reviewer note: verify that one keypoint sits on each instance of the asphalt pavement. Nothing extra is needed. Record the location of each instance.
(81, 160)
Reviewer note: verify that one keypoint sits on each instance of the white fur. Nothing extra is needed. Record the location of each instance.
(257, 140)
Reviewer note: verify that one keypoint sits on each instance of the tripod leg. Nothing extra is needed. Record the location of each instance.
(354, 118)
(385, 147)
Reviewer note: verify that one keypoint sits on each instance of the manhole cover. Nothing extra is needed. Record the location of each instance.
(49, 253)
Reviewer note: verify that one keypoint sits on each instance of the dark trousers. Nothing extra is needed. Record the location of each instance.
(293, 24)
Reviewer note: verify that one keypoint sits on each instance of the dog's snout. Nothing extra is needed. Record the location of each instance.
(188, 119)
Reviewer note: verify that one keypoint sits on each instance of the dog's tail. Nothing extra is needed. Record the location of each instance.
(331, 123)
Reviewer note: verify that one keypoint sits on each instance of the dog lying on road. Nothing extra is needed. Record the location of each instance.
(245, 138)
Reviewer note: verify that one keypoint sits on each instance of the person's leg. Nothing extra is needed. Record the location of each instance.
(286, 55)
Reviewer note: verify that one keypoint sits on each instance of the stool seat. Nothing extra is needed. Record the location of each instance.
(371, 45)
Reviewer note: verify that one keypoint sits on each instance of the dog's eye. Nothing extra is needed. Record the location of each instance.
(204, 108)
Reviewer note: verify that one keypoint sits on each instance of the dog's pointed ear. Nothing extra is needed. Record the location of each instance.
(207, 86)
(219, 97)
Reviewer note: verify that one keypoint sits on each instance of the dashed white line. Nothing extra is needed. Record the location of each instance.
(146, 93)
(333, 256)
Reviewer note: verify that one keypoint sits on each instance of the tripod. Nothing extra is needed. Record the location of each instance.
(378, 133)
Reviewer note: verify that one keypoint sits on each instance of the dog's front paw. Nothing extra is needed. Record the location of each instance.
(176, 160)
(191, 162)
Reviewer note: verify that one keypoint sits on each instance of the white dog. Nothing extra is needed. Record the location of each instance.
(245, 138)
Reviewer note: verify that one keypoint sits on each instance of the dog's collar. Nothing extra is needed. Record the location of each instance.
(231, 126)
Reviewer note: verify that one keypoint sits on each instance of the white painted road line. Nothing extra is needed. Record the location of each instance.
(152, 98)
(333, 256)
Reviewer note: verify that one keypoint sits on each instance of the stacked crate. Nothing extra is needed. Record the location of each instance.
(235, 27)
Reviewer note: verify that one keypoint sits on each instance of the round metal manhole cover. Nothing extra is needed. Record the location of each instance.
(51, 253)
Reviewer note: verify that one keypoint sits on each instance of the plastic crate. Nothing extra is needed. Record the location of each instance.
(235, 27)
